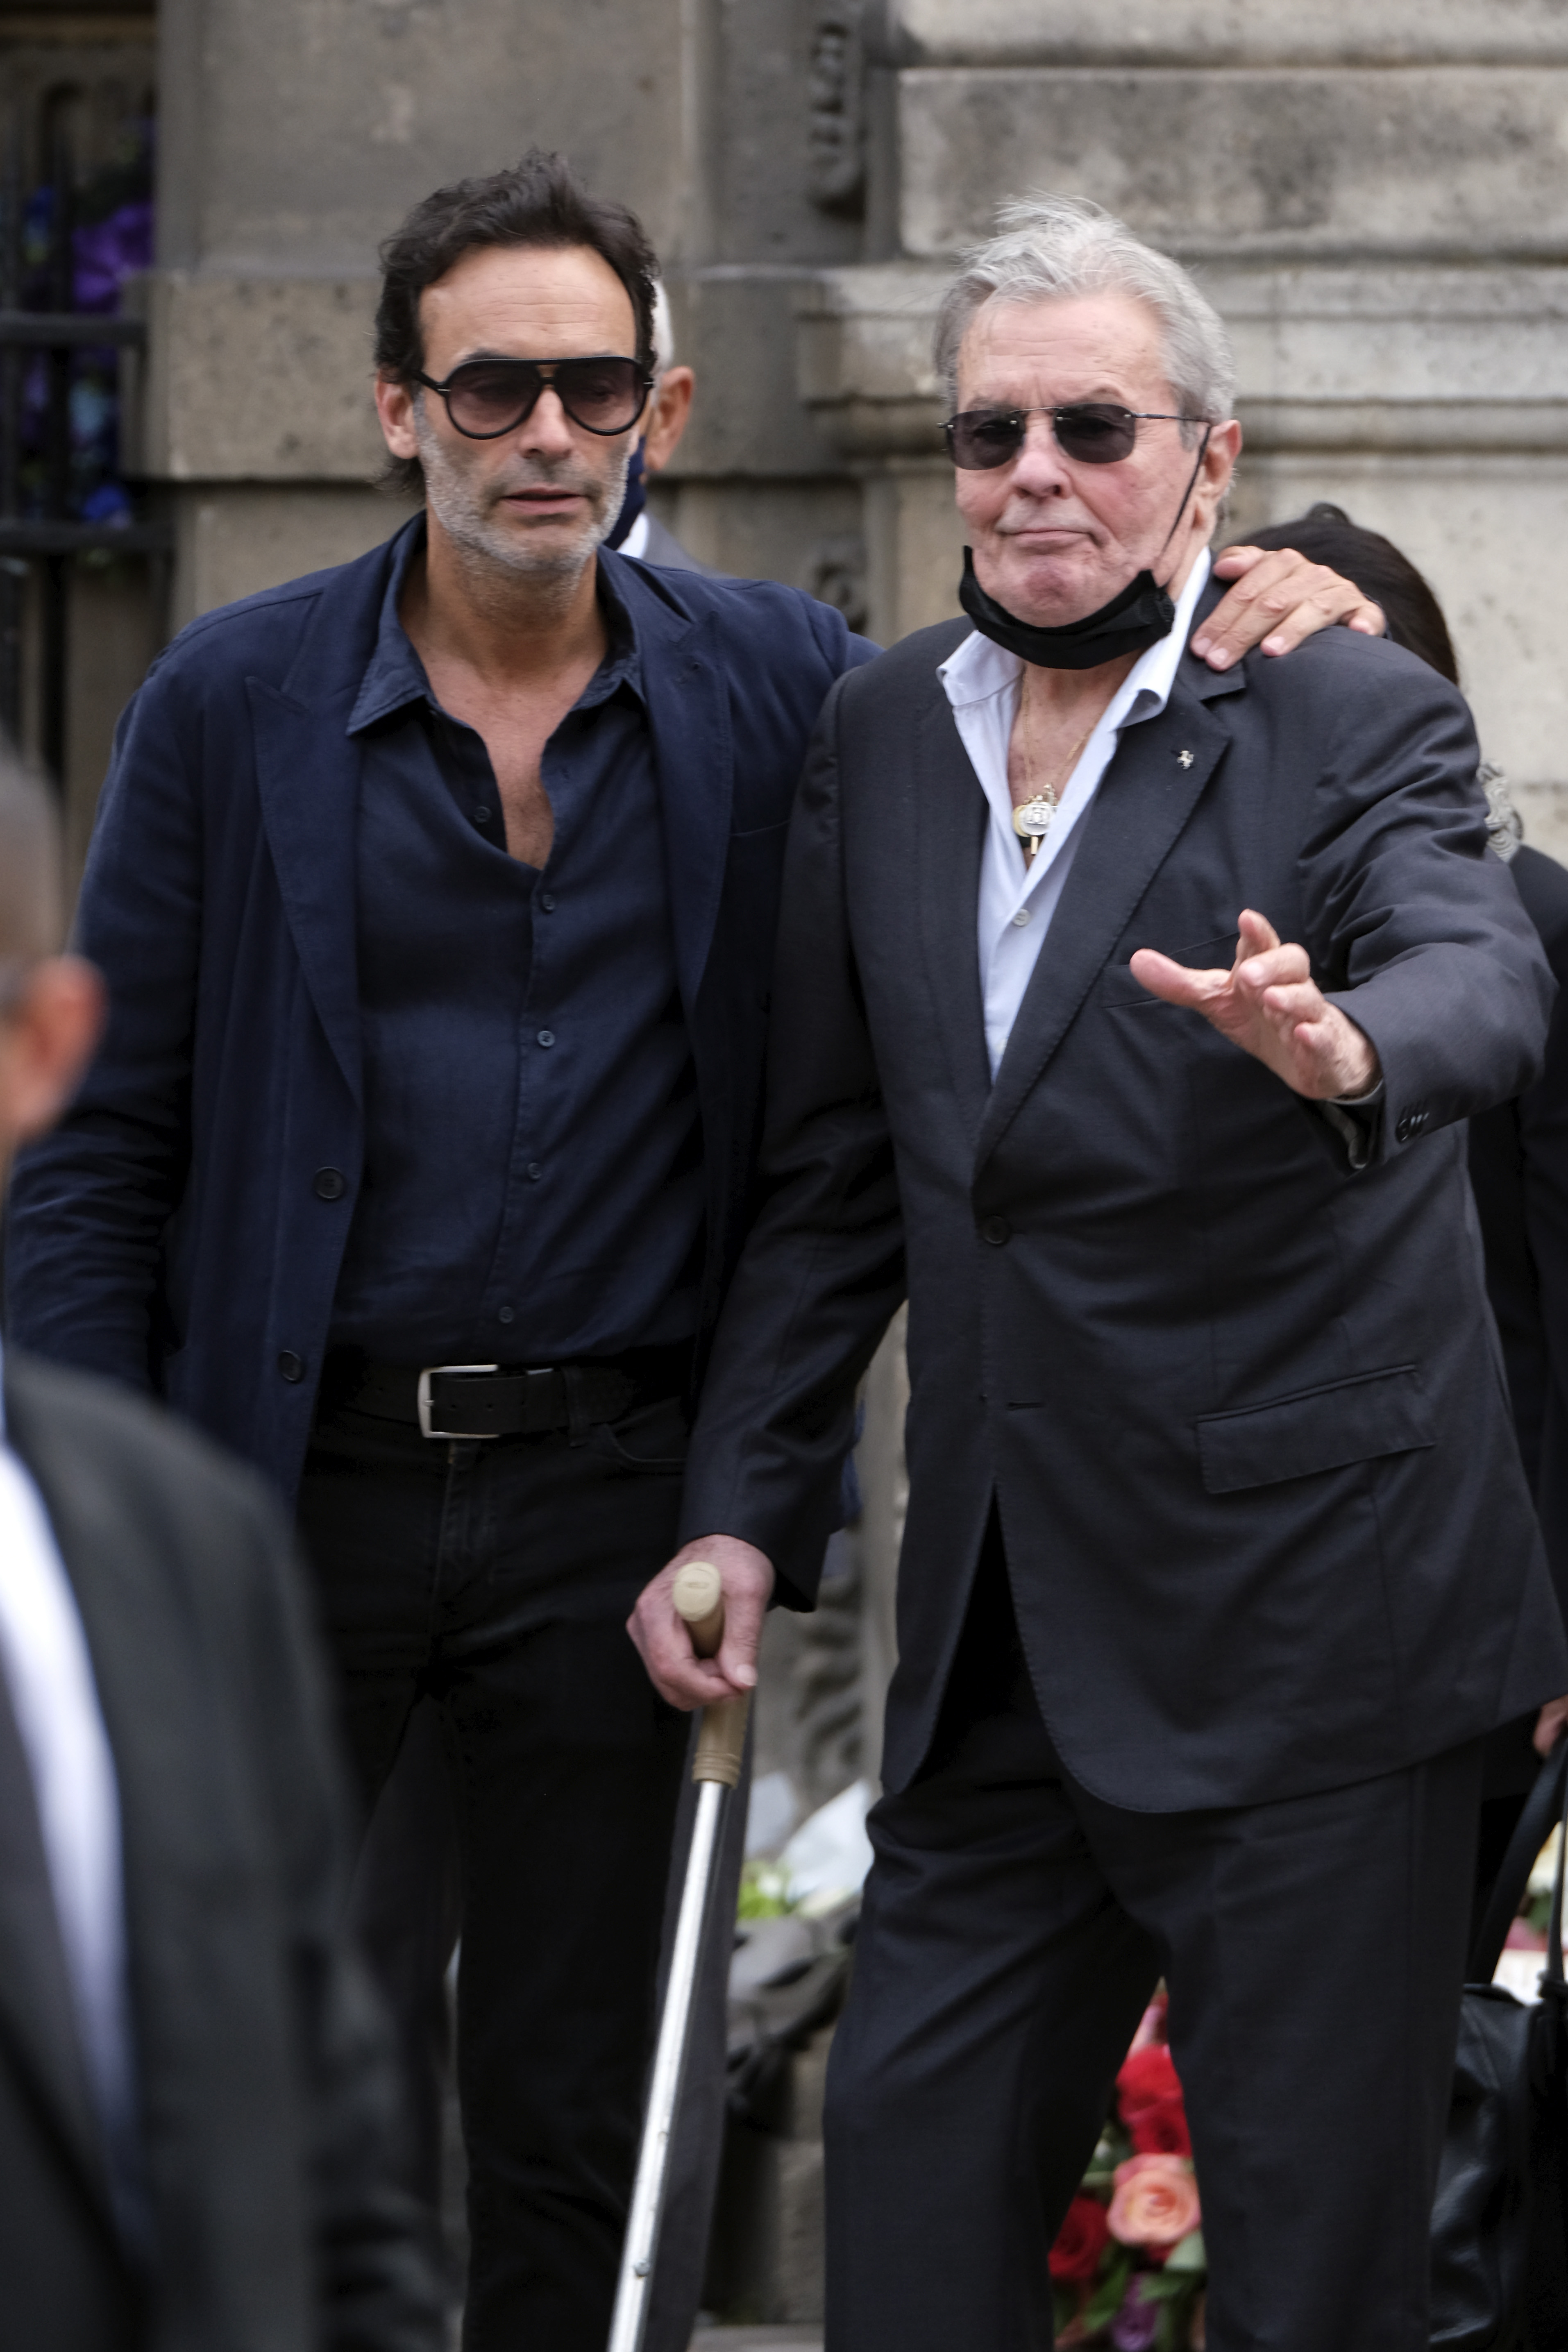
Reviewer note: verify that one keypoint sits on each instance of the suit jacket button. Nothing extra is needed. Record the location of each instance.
(291, 1366)
(1405, 1129)
(330, 1184)
(996, 1230)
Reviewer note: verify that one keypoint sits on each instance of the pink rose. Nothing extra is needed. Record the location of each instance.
(1155, 2202)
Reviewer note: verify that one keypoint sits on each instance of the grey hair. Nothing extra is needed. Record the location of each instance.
(663, 333)
(1052, 248)
(32, 895)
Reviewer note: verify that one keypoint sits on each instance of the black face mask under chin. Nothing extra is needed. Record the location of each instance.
(1136, 619)
(1139, 617)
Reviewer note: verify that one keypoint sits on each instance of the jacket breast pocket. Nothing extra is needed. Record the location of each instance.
(1325, 1428)
(1124, 995)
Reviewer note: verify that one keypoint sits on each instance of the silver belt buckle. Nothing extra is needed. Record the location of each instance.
(427, 1428)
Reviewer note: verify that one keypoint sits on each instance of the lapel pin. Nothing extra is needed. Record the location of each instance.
(1185, 757)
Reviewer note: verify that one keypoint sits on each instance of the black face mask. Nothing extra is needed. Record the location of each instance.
(636, 499)
(1136, 619)
(1139, 617)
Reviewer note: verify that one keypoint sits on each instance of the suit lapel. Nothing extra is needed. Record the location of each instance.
(37, 2016)
(153, 1696)
(307, 768)
(693, 751)
(950, 816)
(36, 2013)
(1144, 799)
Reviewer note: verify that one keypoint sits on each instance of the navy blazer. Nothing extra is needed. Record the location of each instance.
(1239, 1406)
(183, 1227)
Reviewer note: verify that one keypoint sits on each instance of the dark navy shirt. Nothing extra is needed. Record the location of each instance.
(533, 1181)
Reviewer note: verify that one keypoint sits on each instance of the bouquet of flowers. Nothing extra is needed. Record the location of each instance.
(1128, 2265)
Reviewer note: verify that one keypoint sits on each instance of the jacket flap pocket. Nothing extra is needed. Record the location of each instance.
(1321, 1429)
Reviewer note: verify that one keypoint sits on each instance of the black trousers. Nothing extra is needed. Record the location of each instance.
(1014, 1930)
(495, 1580)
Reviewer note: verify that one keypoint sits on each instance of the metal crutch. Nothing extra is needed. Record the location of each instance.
(716, 1768)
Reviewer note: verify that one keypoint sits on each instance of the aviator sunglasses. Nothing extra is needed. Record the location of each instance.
(486, 398)
(1092, 432)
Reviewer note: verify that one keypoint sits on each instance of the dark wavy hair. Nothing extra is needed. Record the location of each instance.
(538, 202)
(1412, 613)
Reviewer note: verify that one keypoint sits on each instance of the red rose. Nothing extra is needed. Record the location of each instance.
(1148, 2079)
(1081, 2242)
(1160, 2129)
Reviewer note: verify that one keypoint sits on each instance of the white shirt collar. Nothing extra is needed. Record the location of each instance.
(980, 668)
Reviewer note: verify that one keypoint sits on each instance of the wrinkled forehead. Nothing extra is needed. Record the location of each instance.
(1034, 352)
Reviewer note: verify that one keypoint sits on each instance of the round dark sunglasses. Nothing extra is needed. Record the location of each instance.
(486, 398)
(1093, 432)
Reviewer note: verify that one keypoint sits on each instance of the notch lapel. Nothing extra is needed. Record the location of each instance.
(1145, 800)
(951, 816)
(693, 753)
(36, 2016)
(307, 769)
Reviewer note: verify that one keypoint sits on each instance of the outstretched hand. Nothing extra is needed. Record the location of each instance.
(664, 1639)
(1270, 1005)
(1279, 599)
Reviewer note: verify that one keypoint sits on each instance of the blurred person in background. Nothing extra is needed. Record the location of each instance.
(1519, 1151)
(197, 2087)
(639, 530)
(436, 897)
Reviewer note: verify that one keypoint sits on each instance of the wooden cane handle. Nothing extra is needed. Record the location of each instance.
(721, 1734)
(699, 1599)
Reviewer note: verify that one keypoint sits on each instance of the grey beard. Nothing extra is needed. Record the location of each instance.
(469, 522)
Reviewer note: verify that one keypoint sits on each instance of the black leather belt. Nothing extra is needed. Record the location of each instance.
(484, 1400)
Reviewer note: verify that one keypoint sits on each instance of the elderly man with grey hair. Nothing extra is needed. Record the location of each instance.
(1127, 1017)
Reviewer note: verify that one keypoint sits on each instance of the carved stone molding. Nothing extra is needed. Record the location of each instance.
(835, 107)
(836, 574)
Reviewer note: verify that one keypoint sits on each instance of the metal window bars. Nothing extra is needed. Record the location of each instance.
(43, 330)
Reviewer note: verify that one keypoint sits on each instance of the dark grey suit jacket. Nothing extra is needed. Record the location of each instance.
(264, 2070)
(1240, 1408)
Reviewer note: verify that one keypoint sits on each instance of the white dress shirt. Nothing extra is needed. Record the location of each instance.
(54, 1697)
(981, 681)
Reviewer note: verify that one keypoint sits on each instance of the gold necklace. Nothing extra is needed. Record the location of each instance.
(1033, 818)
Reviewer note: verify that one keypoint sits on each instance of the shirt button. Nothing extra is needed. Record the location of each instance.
(547, 1036)
(533, 1172)
(482, 814)
(1021, 918)
(507, 1315)
(547, 900)
(330, 1184)
(291, 1366)
(996, 1230)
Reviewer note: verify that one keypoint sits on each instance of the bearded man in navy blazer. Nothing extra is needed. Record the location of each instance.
(1219, 1563)
(436, 898)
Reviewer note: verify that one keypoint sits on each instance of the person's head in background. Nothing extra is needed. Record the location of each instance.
(1411, 614)
(664, 420)
(51, 1005)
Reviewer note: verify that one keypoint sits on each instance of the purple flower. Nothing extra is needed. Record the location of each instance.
(1137, 2322)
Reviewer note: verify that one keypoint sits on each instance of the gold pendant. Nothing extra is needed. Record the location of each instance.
(1032, 822)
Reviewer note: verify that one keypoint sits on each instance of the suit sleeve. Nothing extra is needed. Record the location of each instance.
(822, 1269)
(374, 2288)
(1415, 930)
(90, 1203)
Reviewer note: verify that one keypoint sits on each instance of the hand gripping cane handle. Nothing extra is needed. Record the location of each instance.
(722, 1736)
